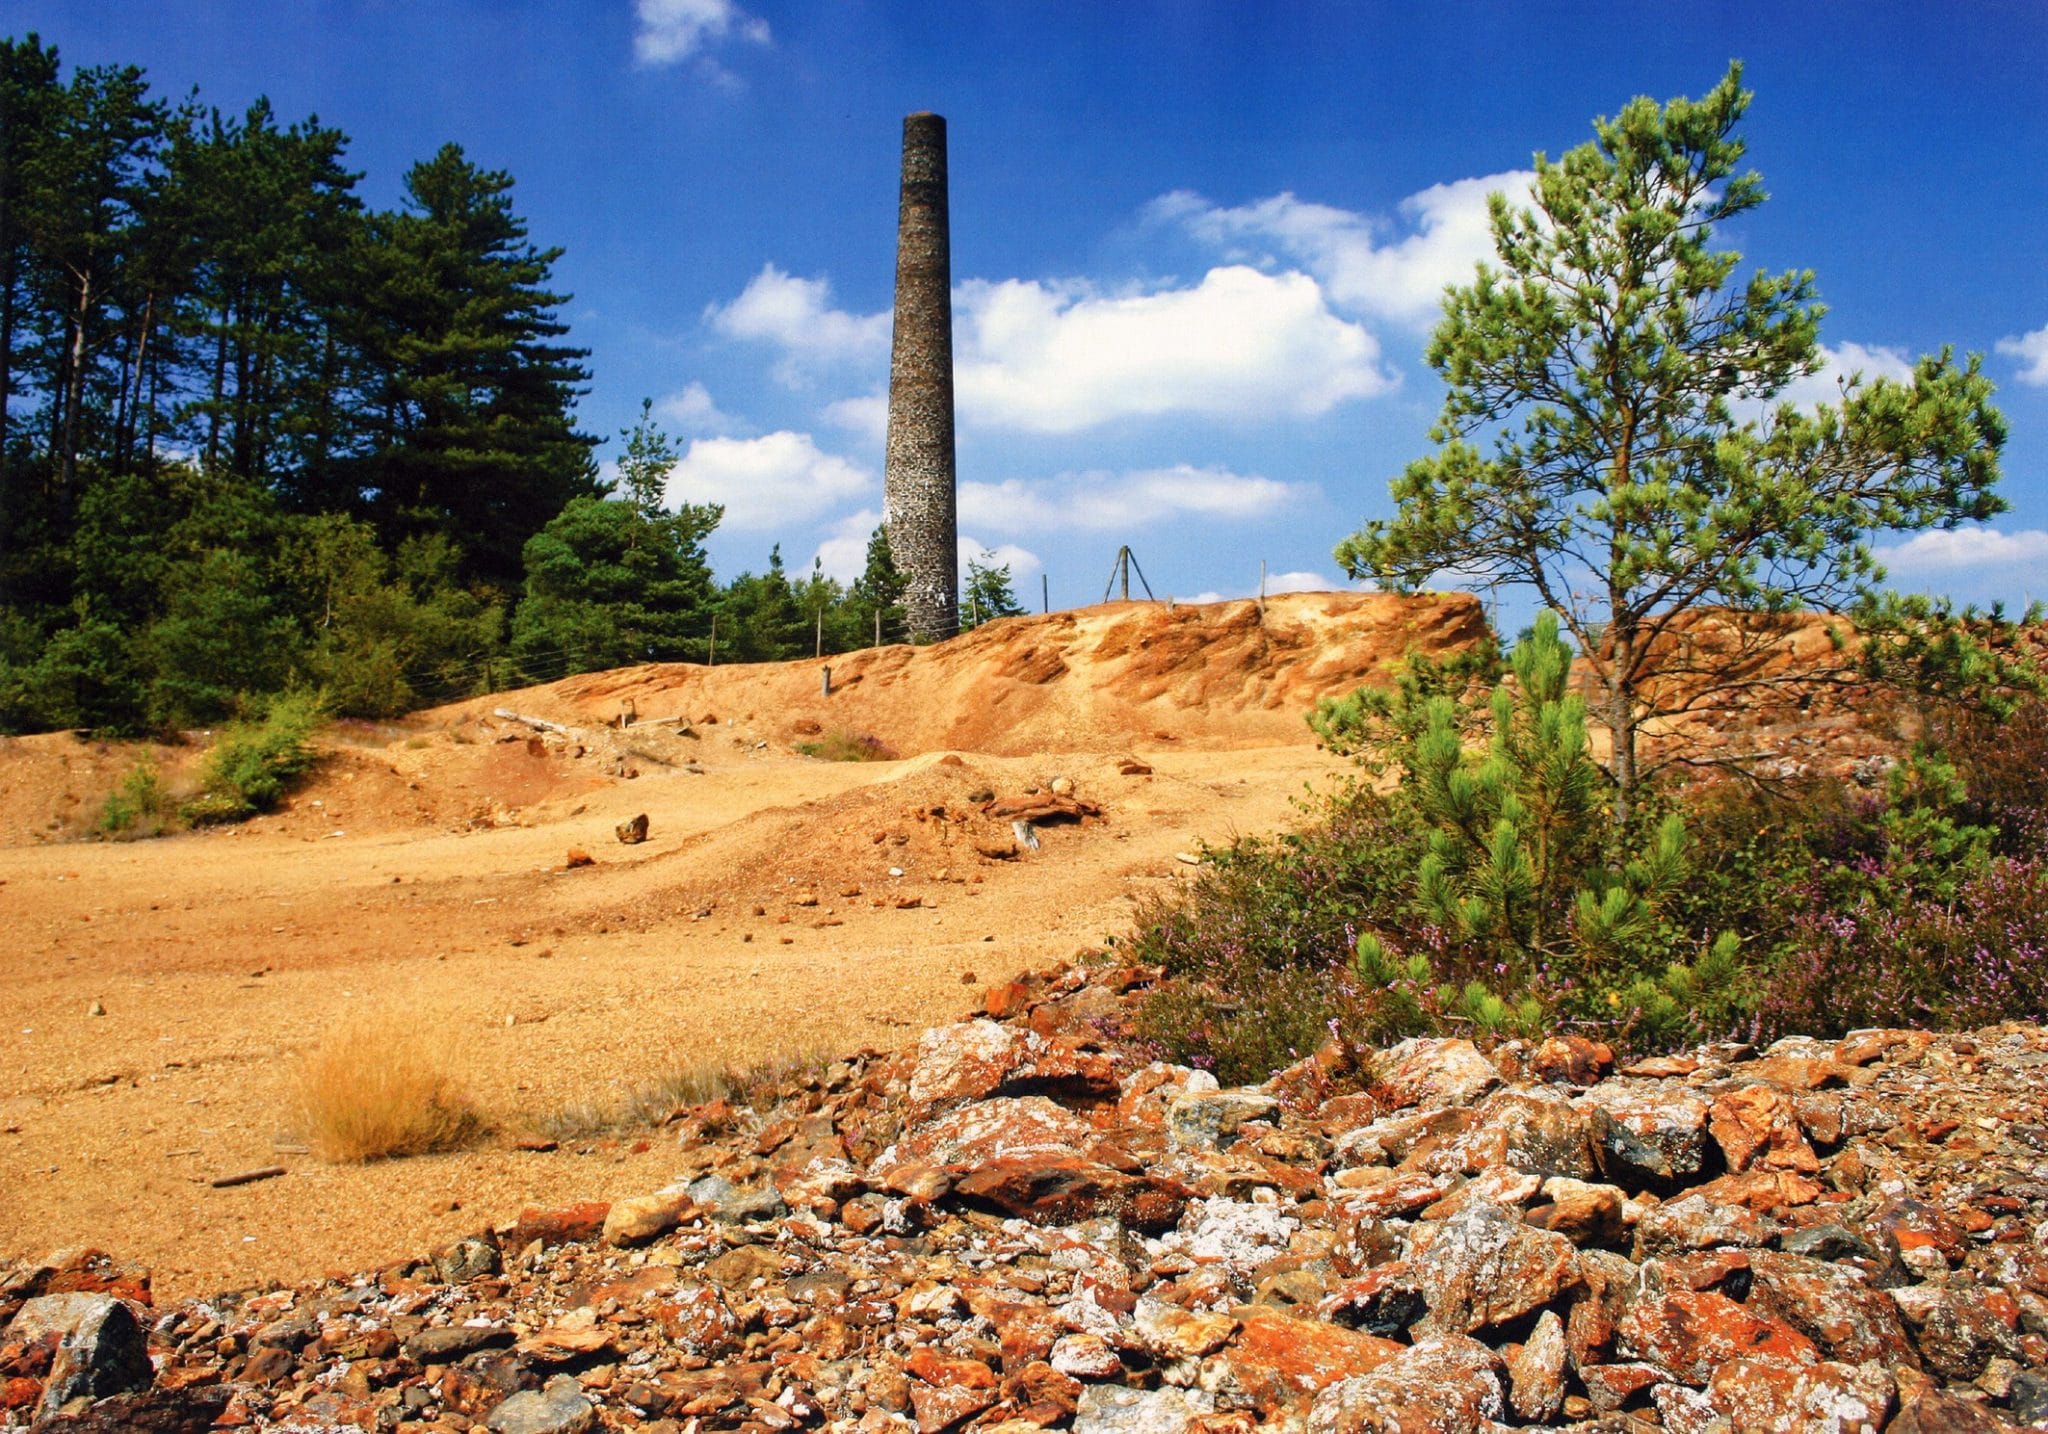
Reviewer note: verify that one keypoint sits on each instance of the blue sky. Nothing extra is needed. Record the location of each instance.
(1196, 246)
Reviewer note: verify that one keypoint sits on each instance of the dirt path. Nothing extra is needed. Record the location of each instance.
(216, 957)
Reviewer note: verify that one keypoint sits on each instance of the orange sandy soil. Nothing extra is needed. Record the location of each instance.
(418, 879)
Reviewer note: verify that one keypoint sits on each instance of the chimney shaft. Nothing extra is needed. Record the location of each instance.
(919, 471)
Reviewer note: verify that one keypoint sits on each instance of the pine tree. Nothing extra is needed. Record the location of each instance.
(468, 393)
(82, 193)
(1519, 859)
(986, 595)
(268, 212)
(875, 601)
(759, 620)
(607, 585)
(1603, 360)
(645, 462)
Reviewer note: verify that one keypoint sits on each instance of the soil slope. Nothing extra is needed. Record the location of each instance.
(159, 991)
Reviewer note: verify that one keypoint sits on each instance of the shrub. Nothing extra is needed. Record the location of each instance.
(140, 806)
(1976, 959)
(253, 764)
(379, 1088)
(841, 745)
(1257, 950)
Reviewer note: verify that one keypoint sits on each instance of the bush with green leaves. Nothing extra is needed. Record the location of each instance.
(1523, 873)
(140, 806)
(254, 763)
(1486, 893)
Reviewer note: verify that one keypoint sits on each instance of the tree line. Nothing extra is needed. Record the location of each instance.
(256, 434)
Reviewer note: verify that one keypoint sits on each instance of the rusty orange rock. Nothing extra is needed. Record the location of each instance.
(1692, 1332)
(1759, 1126)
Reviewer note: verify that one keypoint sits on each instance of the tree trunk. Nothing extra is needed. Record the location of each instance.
(1621, 722)
(131, 400)
(220, 378)
(67, 460)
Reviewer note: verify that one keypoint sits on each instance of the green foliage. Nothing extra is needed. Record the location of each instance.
(985, 595)
(1256, 945)
(222, 634)
(140, 806)
(1519, 859)
(759, 619)
(1957, 659)
(1605, 360)
(841, 745)
(178, 281)
(82, 676)
(644, 464)
(608, 585)
(1372, 722)
(252, 764)
(386, 633)
(875, 601)
(470, 393)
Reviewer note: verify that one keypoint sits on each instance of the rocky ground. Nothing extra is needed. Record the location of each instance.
(1021, 1224)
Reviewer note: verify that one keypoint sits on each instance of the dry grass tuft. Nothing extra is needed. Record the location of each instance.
(378, 1088)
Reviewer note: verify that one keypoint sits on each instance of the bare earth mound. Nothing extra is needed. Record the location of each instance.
(780, 905)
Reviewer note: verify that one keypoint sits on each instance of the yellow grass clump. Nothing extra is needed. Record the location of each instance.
(379, 1088)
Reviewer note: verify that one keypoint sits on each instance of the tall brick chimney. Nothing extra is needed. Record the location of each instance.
(918, 472)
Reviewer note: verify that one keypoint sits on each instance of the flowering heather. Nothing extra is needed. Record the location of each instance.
(1973, 960)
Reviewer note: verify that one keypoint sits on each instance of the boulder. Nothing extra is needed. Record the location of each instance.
(1115, 1409)
(1432, 1073)
(98, 1347)
(1210, 1120)
(559, 1408)
(1448, 1384)
(1484, 1267)
(1646, 1136)
(1765, 1395)
(1278, 1362)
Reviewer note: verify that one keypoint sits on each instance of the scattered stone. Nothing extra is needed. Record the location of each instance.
(1211, 1120)
(1429, 1073)
(560, 1408)
(1766, 1393)
(1484, 1267)
(1448, 1383)
(95, 1345)
(1114, 1409)
(1021, 1224)
(246, 1177)
(632, 833)
(1536, 1371)
(637, 1220)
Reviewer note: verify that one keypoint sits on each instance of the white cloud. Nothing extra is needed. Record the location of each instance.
(797, 316)
(867, 416)
(1956, 550)
(1366, 265)
(1020, 561)
(2032, 351)
(694, 413)
(766, 482)
(673, 30)
(1060, 357)
(1300, 582)
(1102, 501)
(1240, 344)
(1837, 364)
(844, 555)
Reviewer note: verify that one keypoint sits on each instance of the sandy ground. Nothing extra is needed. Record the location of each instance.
(218, 956)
